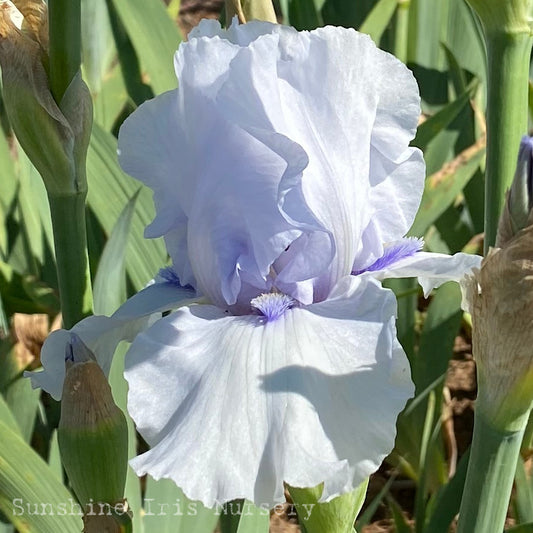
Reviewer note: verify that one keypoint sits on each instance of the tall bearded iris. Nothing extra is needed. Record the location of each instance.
(284, 185)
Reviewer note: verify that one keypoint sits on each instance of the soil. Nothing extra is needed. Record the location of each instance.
(192, 11)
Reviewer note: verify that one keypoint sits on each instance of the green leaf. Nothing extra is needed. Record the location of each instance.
(428, 28)
(304, 15)
(97, 42)
(167, 510)
(54, 456)
(34, 208)
(132, 76)
(465, 39)
(109, 289)
(119, 387)
(370, 511)
(8, 190)
(25, 294)
(441, 189)
(109, 102)
(429, 129)
(448, 500)
(155, 38)
(336, 516)
(428, 369)
(26, 480)
(441, 326)
(379, 18)
(7, 417)
(23, 402)
(347, 14)
(432, 24)
(4, 323)
(254, 520)
(406, 291)
(524, 493)
(424, 465)
(109, 191)
(6, 528)
(399, 520)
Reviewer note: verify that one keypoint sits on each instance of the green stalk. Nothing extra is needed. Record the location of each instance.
(490, 476)
(70, 239)
(64, 18)
(508, 55)
(68, 206)
(402, 30)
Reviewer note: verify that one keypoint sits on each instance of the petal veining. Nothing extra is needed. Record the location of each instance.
(313, 396)
(288, 139)
(431, 269)
(394, 252)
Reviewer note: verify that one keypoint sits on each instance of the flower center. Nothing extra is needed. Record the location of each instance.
(272, 305)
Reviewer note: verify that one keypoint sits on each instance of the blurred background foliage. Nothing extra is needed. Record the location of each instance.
(128, 46)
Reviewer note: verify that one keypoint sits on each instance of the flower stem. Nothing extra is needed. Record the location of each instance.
(508, 56)
(70, 239)
(490, 475)
(64, 18)
(68, 208)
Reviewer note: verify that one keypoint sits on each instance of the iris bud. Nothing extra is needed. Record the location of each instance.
(31, 108)
(92, 432)
(501, 296)
(517, 212)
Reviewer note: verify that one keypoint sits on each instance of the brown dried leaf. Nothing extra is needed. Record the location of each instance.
(30, 332)
(501, 293)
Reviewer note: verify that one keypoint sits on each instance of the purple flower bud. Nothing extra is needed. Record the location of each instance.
(521, 194)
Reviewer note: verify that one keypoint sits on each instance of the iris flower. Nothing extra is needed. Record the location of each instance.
(284, 185)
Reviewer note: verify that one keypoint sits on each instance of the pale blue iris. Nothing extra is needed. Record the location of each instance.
(272, 305)
(406, 247)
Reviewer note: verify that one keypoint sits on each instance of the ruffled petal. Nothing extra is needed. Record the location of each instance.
(289, 119)
(353, 118)
(233, 406)
(102, 334)
(431, 269)
(152, 147)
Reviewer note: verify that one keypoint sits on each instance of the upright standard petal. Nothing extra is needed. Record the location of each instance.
(299, 384)
(278, 120)
(347, 115)
(222, 217)
(102, 334)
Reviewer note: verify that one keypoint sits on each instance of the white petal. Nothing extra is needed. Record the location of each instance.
(217, 208)
(353, 118)
(241, 34)
(290, 118)
(102, 334)
(152, 147)
(155, 298)
(431, 269)
(396, 191)
(233, 406)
